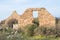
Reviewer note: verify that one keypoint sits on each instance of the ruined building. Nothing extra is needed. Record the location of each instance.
(44, 18)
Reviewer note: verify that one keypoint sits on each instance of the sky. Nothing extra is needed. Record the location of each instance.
(8, 6)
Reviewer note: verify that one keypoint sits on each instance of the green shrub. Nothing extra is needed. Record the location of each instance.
(45, 31)
(30, 29)
(10, 34)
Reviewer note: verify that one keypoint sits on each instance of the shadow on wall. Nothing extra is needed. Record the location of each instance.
(11, 22)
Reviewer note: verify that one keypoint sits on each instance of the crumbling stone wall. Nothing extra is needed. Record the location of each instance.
(44, 17)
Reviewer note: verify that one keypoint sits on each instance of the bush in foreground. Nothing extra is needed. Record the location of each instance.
(43, 33)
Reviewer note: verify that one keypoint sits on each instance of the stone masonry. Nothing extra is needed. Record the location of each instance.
(44, 17)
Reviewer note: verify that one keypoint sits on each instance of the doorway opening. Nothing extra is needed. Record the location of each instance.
(35, 16)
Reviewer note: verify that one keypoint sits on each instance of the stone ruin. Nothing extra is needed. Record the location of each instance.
(44, 18)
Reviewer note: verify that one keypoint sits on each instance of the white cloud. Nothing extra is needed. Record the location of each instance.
(20, 1)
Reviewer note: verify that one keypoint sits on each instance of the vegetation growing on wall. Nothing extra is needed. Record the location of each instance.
(32, 32)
